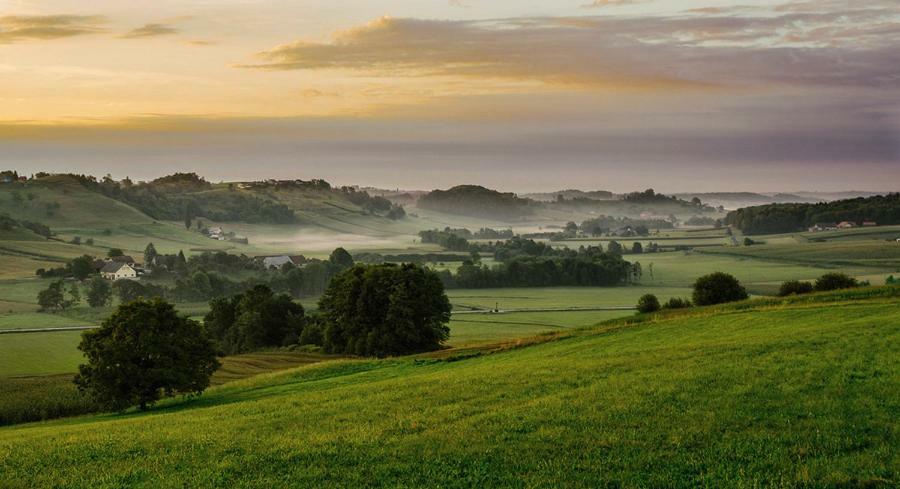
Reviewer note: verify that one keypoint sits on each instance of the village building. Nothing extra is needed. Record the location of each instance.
(846, 225)
(823, 226)
(279, 261)
(114, 270)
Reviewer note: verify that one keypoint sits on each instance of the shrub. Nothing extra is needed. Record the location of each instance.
(794, 287)
(835, 281)
(677, 303)
(143, 351)
(648, 303)
(718, 288)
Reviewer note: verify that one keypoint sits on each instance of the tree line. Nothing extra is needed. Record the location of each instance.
(787, 218)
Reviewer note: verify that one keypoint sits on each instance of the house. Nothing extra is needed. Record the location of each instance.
(823, 226)
(117, 271)
(869, 224)
(279, 261)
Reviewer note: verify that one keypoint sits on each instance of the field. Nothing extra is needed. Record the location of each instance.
(781, 393)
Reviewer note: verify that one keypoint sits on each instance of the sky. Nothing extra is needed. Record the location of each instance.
(521, 95)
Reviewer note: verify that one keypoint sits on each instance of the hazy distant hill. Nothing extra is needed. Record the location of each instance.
(477, 201)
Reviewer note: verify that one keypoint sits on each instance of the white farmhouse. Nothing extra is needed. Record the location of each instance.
(118, 271)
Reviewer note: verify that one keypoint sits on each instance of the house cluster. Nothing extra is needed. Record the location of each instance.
(830, 226)
(118, 268)
(278, 261)
(10, 177)
(216, 233)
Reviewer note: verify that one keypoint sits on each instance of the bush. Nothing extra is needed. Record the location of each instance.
(718, 288)
(383, 310)
(794, 287)
(648, 303)
(143, 351)
(677, 303)
(835, 281)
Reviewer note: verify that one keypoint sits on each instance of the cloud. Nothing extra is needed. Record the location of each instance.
(15, 28)
(150, 30)
(841, 47)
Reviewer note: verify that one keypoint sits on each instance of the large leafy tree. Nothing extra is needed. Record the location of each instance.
(144, 351)
(384, 310)
(53, 297)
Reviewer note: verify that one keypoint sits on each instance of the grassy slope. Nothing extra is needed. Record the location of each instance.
(786, 394)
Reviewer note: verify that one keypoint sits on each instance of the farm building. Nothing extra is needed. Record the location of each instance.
(114, 270)
(280, 260)
(846, 225)
(823, 226)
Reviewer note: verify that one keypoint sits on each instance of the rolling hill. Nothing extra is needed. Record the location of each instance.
(796, 392)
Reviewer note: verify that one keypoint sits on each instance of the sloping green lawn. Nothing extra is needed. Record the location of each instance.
(795, 393)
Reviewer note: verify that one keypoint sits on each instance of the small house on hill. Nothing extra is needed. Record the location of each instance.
(114, 270)
(846, 225)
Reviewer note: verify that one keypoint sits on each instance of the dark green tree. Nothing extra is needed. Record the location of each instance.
(648, 303)
(341, 258)
(614, 248)
(794, 287)
(835, 281)
(677, 303)
(718, 288)
(53, 297)
(99, 292)
(383, 310)
(144, 351)
(256, 319)
(74, 295)
(115, 252)
(82, 267)
(150, 254)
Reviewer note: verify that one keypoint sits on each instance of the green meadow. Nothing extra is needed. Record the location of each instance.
(789, 393)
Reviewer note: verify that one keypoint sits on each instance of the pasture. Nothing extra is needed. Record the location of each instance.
(748, 395)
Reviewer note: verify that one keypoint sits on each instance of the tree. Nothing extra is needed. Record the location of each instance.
(129, 290)
(571, 227)
(82, 267)
(835, 281)
(648, 303)
(718, 288)
(256, 319)
(341, 258)
(145, 350)
(53, 297)
(114, 252)
(637, 248)
(99, 292)
(384, 310)
(792, 287)
(150, 255)
(74, 295)
(614, 248)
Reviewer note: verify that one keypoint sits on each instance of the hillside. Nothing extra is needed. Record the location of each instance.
(746, 395)
(476, 201)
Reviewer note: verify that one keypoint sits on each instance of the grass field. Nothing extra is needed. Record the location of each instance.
(784, 393)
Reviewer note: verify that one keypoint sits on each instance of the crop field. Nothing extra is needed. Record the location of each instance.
(839, 253)
(746, 396)
(39, 353)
